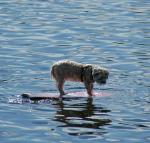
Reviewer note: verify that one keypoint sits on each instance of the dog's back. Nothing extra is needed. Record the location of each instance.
(67, 70)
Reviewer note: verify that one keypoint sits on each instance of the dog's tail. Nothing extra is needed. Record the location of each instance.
(53, 72)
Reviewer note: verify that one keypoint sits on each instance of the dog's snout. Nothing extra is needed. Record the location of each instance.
(103, 82)
(107, 74)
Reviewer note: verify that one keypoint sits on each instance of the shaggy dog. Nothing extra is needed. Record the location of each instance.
(72, 71)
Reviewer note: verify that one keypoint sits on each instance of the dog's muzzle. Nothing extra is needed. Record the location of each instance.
(103, 82)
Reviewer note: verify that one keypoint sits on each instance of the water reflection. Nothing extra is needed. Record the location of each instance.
(81, 117)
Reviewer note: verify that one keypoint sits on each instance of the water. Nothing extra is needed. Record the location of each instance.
(35, 34)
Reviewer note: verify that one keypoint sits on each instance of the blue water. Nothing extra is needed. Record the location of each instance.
(114, 34)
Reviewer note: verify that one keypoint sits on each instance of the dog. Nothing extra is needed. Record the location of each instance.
(67, 70)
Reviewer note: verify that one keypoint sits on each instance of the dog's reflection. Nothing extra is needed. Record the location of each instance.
(81, 117)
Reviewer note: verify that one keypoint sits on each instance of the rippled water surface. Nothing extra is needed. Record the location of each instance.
(36, 33)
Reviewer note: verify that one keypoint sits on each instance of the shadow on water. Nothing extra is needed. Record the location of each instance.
(81, 118)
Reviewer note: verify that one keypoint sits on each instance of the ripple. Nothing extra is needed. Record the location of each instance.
(35, 34)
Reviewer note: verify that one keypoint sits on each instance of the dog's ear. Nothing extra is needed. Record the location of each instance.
(88, 69)
(96, 73)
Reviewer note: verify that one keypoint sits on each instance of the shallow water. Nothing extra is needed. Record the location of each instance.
(35, 34)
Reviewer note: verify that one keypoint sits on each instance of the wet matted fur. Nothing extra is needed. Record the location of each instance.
(67, 70)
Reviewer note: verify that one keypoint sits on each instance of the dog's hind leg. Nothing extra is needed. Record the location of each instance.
(60, 85)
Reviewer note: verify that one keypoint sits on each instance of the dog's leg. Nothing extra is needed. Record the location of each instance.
(89, 88)
(60, 85)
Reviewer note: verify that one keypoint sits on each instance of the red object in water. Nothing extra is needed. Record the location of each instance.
(39, 96)
(84, 94)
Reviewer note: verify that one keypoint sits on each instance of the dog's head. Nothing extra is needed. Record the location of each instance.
(100, 75)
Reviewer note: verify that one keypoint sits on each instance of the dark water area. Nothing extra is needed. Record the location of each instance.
(114, 34)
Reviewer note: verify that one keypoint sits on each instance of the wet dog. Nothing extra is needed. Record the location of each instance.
(72, 71)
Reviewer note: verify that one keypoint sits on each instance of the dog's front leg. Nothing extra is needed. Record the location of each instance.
(89, 88)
